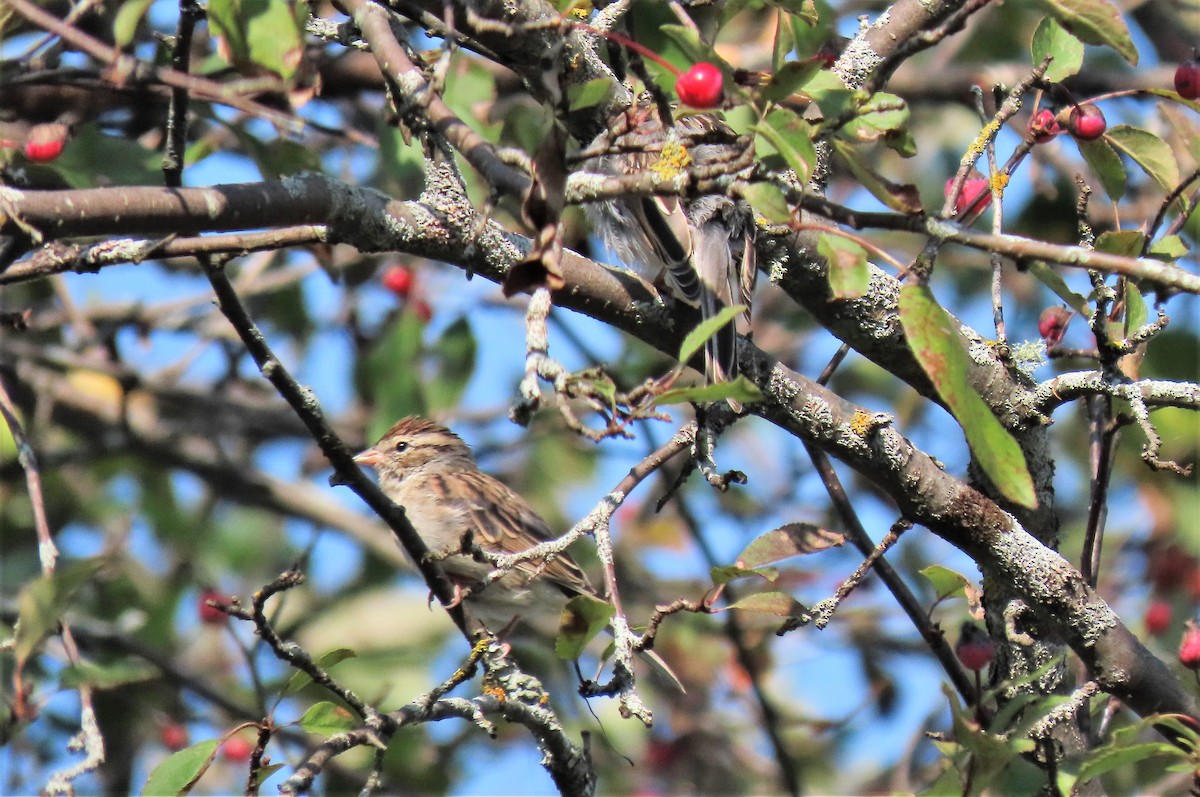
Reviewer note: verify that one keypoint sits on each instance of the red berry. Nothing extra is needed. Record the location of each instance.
(1187, 80)
(211, 615)
(237, 748)
(1189, 647)
(975, 649)
(1158, 617)
(1044, 126)
(1086, 122)
(976, 194)
(701, 86)
(46, 141)
(399, 280)
(174, 736)
(1052, 324)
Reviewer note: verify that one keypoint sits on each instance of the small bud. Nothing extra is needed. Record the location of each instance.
(1044, 126)
(209, 614)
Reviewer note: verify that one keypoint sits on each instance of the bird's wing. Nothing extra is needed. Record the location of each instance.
(507, 524)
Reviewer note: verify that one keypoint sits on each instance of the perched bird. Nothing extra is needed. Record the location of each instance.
(430, 471)
(704, 245)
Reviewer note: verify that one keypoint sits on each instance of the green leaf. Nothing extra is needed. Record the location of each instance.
(582, 619)
(777, 603)
(127, 19)
(455, 354)
(261, 34)
(1183, 125)
(726, 573)
(589, 94)
(1148, 151)
(790, 78)
(938, 347)
(92, 159)
(1106, 163)
(107, 676)
(42, 602)
(326, 662)
(706, 329)
(792, 138)
(263, 773)
(783, 44)
(946, 582)
(1127, 243)
(1050, 38)
(787, 541)
(688, 39)
(849, 273)
(1168, 248)
(882, 114)
(1095, 22)
(1136, 312)
(903, 198)
(390, 374)
(1054, 281)
(811, 26)
(179, 771)
(768, 202)
(739, 389)
(830, 94)
(327, 719)
(1110, 757)
(279, 158)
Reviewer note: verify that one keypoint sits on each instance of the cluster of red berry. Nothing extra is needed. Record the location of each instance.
(1084, 121)
(1174, 576)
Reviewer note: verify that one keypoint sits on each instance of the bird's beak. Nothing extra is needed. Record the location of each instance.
(370, 457)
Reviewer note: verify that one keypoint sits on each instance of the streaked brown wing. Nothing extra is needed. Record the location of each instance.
(512, 526)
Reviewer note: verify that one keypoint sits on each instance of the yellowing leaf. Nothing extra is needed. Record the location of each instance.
(787, 541)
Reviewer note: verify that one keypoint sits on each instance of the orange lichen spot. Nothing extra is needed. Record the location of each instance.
(862, 423)
(672, 160)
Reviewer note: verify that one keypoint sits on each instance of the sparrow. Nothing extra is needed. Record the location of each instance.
(429, 470)
(703, 245)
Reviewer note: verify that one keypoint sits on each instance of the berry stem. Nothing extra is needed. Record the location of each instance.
(630, 44)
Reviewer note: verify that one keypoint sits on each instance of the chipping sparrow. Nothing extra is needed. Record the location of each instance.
(430, 471)
(705, 244)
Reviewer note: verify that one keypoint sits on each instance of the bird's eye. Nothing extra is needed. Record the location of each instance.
(401, 447)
